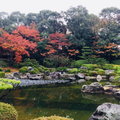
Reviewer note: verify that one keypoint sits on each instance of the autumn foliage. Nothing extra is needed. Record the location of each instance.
(56, 43)
(19, 41)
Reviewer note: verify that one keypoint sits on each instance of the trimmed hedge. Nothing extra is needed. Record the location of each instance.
(7, 112)
(53, 118)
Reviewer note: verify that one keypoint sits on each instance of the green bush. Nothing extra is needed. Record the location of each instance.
(30, 62)
(1, 69)
(116, 67)
(100, 71)
(3, 63)
(34, 71)
(7, 83)
(8, 70)
(78, 63)
(92, 73)
(83, 71)
(90, 66)
(56, 61)
(117, 78)
(43, 69)
(52, 69)
(53, 118)
(23, 70)
(108, 67)
(7, 112)
(62, 69)
(117, 62)
(73, 70)
(99, 61)
(2, 74)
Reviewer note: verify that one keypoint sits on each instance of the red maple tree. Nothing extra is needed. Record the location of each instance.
(19, 41)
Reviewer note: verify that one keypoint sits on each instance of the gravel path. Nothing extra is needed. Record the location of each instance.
(41, 82)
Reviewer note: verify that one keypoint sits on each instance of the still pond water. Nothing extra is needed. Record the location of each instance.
(65, 101)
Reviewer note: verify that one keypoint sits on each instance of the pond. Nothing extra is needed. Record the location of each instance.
(67, 101)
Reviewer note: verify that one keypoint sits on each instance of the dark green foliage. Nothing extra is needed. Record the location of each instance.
(3, 63)
(43, 69)
(7, 112)
(99, 61)
(34, 71)
(2, 74)
(108, 67)
(78, 63)
(117, 62)
(56, 61)
(7, 70)
(61, 69)
(1, 69)
(30, 62)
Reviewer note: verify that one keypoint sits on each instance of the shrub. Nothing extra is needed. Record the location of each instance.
(23, 70)
(90, 66)
(91, 73)
(73, 70)
(116, 67)
(108, 67)
(56, 61)
(30, 62)
(117, 78)
(43, 69)
(2, 74)
(52, 69)
(1, 69)
(117, 62)
(7, 83)
(34, 71)
(7, 112)
(78, 63)
(62, 69)
(99, 61)
(100, 71)
(83, 71)
(53, 118)
(7, 70)
(3, 63)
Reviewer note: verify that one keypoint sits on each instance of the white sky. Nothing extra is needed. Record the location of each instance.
(27, 6)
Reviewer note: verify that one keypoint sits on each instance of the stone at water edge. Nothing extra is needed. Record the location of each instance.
(92, 88)
(80, 76)
(106, 111)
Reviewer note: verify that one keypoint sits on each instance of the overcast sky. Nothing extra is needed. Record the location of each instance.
(27, 6)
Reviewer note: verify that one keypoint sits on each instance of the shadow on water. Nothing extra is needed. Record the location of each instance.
(37, 101)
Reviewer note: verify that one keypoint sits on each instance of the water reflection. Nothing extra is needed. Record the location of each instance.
(65, 101)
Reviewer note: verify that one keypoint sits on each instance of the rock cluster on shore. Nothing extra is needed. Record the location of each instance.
(96, 87)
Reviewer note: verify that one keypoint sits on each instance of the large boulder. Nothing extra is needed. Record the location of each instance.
(92, 88)
(106, 111)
